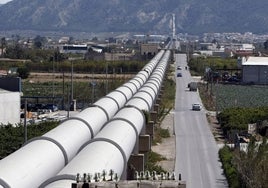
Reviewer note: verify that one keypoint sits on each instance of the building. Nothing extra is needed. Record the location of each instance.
(9, 107)
(149, 50)
(119, 56)
(255, 70)
(74, 48)
(244, 50)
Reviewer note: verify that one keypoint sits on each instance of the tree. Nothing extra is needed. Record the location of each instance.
(23, 72)
(39, 41)
(3, 45)
(252, 165)
(15, 52)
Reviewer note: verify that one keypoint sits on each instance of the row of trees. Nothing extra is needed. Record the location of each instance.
(48, 60)
(199, 65)
(239, 118)
(248, 168)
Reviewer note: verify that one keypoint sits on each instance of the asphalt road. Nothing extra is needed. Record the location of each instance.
(196, 151)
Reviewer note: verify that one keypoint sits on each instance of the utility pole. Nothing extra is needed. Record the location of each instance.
(93, 92)
(106, 71)
(68, 101)
(53, 81)
(72, 84)
(25, 122)
(63, 91)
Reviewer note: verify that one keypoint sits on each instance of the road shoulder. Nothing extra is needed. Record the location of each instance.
(167, 147)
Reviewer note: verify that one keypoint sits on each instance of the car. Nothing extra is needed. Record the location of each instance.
(196, 107)
(233, 79)
(192, 86)
(178, 67)
(179, 74)
(52, 107)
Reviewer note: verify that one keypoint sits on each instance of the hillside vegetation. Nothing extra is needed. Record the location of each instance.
(192, 16)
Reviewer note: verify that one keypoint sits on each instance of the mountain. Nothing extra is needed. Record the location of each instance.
(147, 16)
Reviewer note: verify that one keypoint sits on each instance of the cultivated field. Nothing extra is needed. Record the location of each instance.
(240, 96)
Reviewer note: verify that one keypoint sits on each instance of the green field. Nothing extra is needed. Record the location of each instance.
(228, 96)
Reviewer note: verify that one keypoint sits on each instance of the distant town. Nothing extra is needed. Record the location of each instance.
(94, 108)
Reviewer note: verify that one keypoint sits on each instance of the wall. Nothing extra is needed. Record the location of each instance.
(255, 74)
(9, 107)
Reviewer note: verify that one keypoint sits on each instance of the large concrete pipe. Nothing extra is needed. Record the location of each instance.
(117, 133)
(52, 151)
(149, 67)
(110, 149)
(115, 138)
(62, 143)
(43, 158)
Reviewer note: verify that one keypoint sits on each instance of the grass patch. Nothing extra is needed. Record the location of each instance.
(151, 164)
(159, 134)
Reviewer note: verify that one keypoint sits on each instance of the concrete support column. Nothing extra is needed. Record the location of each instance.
(150, 128)
(153, 115)
(144, 143)
(158, 100)
(135, 163)
(156, 108)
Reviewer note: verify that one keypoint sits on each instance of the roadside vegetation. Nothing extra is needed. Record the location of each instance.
(199, 65)
(247, 169)
(153, 158)
(12, 138)
(229, 169)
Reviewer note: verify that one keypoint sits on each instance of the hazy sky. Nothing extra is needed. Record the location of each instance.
(4, 1)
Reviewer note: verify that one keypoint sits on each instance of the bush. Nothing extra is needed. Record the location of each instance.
(230, 172)
(23, 72)
(151, 165)
(12, 138)
(239, 118)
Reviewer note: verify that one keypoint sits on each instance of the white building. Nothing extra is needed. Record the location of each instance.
(74, 48)
(255, 70)
(9, 107)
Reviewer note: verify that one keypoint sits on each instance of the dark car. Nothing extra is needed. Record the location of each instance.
(233, 79)
(196, 107)
(52, 107)
(179, 74)
(30, 107)
(38, 107)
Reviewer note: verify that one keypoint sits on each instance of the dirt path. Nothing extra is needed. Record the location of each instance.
(215, 128)
(81, 77)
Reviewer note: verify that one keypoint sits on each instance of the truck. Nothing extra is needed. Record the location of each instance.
(192, 86)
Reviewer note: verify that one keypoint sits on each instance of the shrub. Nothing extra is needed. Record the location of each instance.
(226, 158)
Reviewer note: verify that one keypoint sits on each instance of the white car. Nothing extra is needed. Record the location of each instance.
(178, 67)
(196, 107)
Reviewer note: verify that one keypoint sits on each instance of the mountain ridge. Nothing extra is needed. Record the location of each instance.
(147, 16)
